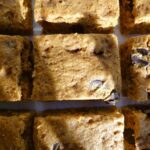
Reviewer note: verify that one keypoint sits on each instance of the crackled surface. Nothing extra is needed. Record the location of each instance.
(73, 67)
(79, 130)
(15, 16)
(138, 128)
(14, 132)
(136, 68)
(95, 12)
(135, 16)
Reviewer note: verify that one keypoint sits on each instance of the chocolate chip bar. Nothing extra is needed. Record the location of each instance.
(76, 67)
(68, 16)
(135, 55)
(135, 16)
(15, 131)
(68, 129)
(14, 68)
(137, 129)
(15, 17)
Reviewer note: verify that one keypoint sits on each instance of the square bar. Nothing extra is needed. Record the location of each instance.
(137, 129)
(92, 129)
(135, 57)
(135, 16)
(76, 67)
(14, 68)
(68, 16)
(15, 17)
(15, 131)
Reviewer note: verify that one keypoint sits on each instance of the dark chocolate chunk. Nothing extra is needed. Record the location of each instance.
(115, 95)
(56, 146)
(143, 51)
(112, 102)
(95, 84)
(137, 60)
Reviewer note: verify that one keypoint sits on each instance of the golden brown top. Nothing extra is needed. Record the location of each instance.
(141, 11)
(139, 53)
(79, 130)
(10, 67)
(68, 11)
(15, 14)
(139, 122)
(70, 67)
(12, 132)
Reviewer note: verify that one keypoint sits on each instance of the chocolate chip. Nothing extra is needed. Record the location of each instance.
(129, 136)
(95, 84)
(56, 146)
(137, 60)
(112, 102)
(143, 51)
(115, 95)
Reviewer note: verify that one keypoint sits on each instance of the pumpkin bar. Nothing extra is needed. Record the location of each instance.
(68, 16)
(137, 128)
(135, 57)
(14, 68)
(135, 16)
(76, 67)
(15, 17)
(15, 131)
(92, 129)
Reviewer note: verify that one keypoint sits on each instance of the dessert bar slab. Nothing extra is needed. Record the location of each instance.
(68, 16)
(137, 129)
(14, 68)
(92, 129)
(15, 131)
(135, 16)
(15, 17)
(76, 67)
(135, 58)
